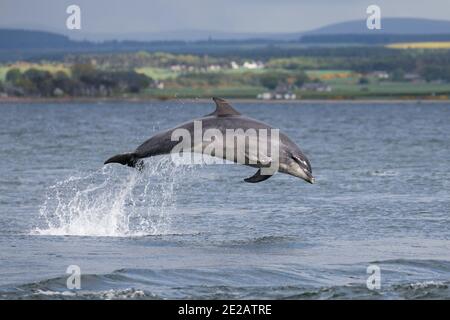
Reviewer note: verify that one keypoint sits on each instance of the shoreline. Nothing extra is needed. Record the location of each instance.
(5, 100)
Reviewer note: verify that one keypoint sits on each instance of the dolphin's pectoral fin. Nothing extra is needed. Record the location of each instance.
(257, 177)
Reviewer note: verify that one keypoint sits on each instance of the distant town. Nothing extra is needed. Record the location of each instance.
(269, 71)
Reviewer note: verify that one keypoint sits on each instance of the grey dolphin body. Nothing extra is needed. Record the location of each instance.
(290, 158)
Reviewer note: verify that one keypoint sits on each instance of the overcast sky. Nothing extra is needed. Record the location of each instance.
(136, 16)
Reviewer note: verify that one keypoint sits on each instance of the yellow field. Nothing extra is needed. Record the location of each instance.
(330, 74)
(157, 73)
(420, 45)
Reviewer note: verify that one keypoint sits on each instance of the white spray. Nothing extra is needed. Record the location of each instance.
(113, 201)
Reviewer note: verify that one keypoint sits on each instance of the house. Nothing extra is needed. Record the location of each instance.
(379, 75)
(282, 92)
(317, 87)
(264, 96)
(252, 65)
(214, 67)
(234, 65)
(413, 77)
(157, 84)
(285, 95)
(177, 67)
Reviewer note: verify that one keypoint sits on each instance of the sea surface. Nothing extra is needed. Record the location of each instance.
(381, 201)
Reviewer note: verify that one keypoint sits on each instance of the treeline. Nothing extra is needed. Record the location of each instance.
(83, 80)
(371, 39)
(270, 79)
(429, 64)
(140, 59)
(112, 74)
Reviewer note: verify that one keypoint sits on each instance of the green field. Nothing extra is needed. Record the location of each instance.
(339, 91)
(244, 92)
(3, 71)
(243, 83)
(382, 89)
(158, 73)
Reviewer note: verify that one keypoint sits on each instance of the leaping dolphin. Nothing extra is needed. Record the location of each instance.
(290, 159)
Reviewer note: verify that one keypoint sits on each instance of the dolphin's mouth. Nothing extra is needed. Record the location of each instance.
(305, 167)
(309, 177)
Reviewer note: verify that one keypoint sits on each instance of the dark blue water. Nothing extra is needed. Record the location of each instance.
(382, 198)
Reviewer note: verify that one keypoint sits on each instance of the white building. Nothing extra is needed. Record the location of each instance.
(318, 87)
(234, 65)
(252, 65)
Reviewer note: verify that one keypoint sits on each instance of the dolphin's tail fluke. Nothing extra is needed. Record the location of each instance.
(129, 159)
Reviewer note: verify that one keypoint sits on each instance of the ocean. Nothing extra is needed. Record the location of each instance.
(381, 202)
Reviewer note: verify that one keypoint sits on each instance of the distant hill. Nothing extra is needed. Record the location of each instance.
(175, 35)
(37, 45)
(28, 44)
(414, 26)
(392, 30)
(24, 39)
(403, 26)
(370, 38)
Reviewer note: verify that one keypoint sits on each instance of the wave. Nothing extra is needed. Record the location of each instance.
(437, 266)
(277, 282)
(112, 294)
(415, 290)
(384, 173)
(112, 202)
(261, 240)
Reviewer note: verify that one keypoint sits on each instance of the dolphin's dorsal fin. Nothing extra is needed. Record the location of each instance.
(223, 109)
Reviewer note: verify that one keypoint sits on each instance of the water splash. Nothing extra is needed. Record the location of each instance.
(113, 201)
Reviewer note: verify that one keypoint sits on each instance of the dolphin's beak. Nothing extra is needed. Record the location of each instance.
(310, 178)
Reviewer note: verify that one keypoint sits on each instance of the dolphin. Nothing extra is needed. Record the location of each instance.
(290, 159)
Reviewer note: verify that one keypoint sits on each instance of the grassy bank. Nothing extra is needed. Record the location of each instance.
(181, 80)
